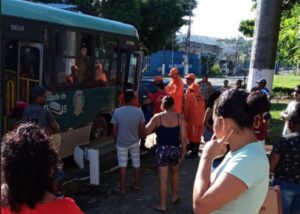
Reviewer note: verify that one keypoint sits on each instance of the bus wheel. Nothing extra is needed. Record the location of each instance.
(99, 128)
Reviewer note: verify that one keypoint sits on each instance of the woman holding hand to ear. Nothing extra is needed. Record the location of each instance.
(240, 183)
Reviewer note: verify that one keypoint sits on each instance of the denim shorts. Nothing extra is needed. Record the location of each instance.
(167, 155)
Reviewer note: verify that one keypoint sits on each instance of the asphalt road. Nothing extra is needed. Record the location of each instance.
(105, 199)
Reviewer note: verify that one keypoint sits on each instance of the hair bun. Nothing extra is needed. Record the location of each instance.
(258, 103)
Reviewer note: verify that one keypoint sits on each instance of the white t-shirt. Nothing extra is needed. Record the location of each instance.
(289, 109)
(250, 165)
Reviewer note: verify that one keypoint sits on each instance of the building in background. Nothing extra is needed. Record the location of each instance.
(232, 55)
(235, 56)
(153, 64)
(200, 44)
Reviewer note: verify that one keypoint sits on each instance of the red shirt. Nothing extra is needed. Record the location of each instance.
(261, 131)
(156, 99)
(57, 206)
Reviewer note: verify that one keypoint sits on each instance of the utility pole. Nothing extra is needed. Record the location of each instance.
(172, 54)
(188, 38)
(265, 41)
(236, 63)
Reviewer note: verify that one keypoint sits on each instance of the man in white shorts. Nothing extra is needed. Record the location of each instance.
(128, 128)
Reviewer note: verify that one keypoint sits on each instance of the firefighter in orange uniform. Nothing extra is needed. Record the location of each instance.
(176, 89)
(194, 111)
(190, 79)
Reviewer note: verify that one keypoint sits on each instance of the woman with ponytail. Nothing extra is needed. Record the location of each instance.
(240, 183)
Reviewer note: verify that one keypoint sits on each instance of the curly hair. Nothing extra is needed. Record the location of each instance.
(28, 162)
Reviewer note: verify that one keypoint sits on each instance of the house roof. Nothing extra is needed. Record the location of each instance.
(199, 39)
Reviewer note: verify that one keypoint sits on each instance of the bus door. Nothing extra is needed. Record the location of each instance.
(22, 64)
(139, 55)
(132, 67)
(30, 64)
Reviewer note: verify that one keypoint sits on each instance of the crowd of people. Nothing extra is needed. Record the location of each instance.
(231, 123)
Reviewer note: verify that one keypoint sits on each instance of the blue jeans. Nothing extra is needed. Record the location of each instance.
(290, 194)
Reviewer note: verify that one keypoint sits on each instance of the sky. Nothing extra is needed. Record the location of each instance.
(219, 18)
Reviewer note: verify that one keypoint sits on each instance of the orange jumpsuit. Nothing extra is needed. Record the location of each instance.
(176, 89)
(194, 111)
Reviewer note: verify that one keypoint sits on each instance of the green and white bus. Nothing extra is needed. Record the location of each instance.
(62, 51)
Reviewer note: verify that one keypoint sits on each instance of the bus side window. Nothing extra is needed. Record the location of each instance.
(106, 53)
(132, 69)
(83, 60)
(73, 63)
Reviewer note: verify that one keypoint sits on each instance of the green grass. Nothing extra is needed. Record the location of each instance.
(276, 124)
(286, 81)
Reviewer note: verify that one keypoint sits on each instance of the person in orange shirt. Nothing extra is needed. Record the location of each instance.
(190, 79)
(72, 78)
(121, 96)
(194, 111)
(99, 73)
(157, 97)
(176, 89)
(158, 79)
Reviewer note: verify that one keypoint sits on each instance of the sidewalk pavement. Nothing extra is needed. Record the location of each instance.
(105, 199)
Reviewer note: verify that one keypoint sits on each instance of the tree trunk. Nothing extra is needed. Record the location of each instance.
(265, 42)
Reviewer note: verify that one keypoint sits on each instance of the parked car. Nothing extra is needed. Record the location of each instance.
(147, 84)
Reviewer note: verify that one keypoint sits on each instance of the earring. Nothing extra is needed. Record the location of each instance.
(256, 122)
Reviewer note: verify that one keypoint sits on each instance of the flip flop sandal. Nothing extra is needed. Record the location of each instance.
(176, 201)
(158, 209)
(136, 188)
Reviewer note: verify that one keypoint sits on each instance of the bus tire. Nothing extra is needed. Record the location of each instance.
(99, 128)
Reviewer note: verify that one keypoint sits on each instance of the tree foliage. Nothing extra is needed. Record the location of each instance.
(208, 60)
(247, 27)
(289, 36)
(161, 19)
(156, 20)
(127, 11)
(87, 7)
(216, 69)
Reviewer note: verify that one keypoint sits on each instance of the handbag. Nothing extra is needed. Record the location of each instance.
(272, 203)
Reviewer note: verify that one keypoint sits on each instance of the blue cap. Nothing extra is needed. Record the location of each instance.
(38, 91)
(262, 81)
